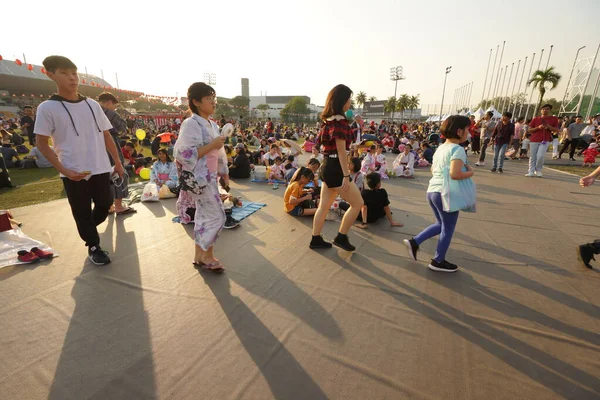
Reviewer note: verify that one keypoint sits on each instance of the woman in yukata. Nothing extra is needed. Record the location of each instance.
(369, 163)
(164, 171)
(199, 151)
(404, 164)
(381, 162)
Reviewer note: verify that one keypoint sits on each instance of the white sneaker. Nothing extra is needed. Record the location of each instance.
(480, 164)
(539, 174)
(529, 175)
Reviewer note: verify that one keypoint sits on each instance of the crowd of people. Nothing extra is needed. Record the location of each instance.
(347, 166)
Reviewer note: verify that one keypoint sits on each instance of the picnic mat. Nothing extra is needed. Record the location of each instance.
(12, 241)
(266, 181)
(248, 208)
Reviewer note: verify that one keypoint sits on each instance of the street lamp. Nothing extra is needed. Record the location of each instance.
(396, 74)
(448, 69)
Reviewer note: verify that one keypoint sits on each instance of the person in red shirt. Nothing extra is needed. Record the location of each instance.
(335, 138)
(541, 129)
(270, 127)
(128, 150)
(475, 137)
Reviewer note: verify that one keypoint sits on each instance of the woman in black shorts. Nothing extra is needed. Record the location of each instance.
(335, 138)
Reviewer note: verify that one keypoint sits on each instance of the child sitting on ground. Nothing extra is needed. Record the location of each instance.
(289, 167)
(369, 163)
(277, 172)
(381, 162)
(296, 201)
(590, 154)
(377, 204)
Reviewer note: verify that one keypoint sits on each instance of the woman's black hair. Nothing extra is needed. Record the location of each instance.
(305, 172)
(314, 161)
(336, 99)
(453, 124)
(197, 91)
(166, 154)
(355, 164)
(520, 119)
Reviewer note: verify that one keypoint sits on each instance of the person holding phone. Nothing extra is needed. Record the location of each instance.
(541, 129)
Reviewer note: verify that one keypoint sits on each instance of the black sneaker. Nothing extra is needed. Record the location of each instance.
(443, 266)
(318, 242)
(585, 254)
(572, 159)
(500, 170)
(342, 241)
(231, 223)
(413, 248)
(493, 170)
(98, 256)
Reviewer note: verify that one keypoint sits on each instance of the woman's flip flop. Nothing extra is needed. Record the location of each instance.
(215, 267)
(128, 210)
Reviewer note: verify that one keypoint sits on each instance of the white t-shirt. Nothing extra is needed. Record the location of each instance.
(79, 144)
(40, 160)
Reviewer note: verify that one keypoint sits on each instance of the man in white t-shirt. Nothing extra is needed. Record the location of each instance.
(80, 134)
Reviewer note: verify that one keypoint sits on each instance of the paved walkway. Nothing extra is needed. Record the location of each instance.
(520, 320)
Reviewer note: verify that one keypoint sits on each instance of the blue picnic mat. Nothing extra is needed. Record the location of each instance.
(248, 208)
(311, 184)
(265, 181)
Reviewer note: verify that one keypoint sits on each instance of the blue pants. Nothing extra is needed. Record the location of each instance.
(445, 225)
(499, 153)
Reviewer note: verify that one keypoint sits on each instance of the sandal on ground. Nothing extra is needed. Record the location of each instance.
(44, 255)
(27, 257)
(215, 267)
(128, 210)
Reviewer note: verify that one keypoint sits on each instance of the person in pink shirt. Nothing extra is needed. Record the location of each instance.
(516, 140)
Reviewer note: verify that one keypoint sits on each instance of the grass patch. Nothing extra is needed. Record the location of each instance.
(35, 186)
(572, 169)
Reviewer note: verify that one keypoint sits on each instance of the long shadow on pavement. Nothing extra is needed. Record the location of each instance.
(284, 374)
(557, 375)
(102, 357)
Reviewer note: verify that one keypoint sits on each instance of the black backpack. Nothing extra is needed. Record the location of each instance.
(17, 139)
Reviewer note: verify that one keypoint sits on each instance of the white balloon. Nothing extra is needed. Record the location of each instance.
(227, 130)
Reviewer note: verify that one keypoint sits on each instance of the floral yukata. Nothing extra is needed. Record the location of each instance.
(164, 173)
(210, 214)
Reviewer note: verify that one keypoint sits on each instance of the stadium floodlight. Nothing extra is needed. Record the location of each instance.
(396, 74)
(448, 70)
(210, 78)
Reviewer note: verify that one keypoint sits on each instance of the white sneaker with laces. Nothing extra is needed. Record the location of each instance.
(529, 175)
(539, 175)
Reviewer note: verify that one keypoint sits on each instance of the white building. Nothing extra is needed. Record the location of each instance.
(276, 104)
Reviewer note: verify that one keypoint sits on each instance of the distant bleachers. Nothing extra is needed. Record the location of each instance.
(8, 67)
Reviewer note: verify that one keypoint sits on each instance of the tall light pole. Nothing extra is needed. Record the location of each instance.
(448, 69)
(486, 75)
(396, 74)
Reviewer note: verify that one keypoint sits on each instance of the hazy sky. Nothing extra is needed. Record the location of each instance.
(288, 47)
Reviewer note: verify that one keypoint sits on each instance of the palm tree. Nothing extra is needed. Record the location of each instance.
(390, 105)
(539, 80)
(361, 99)
(403, 103)
(372, 98)
(413, 103)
